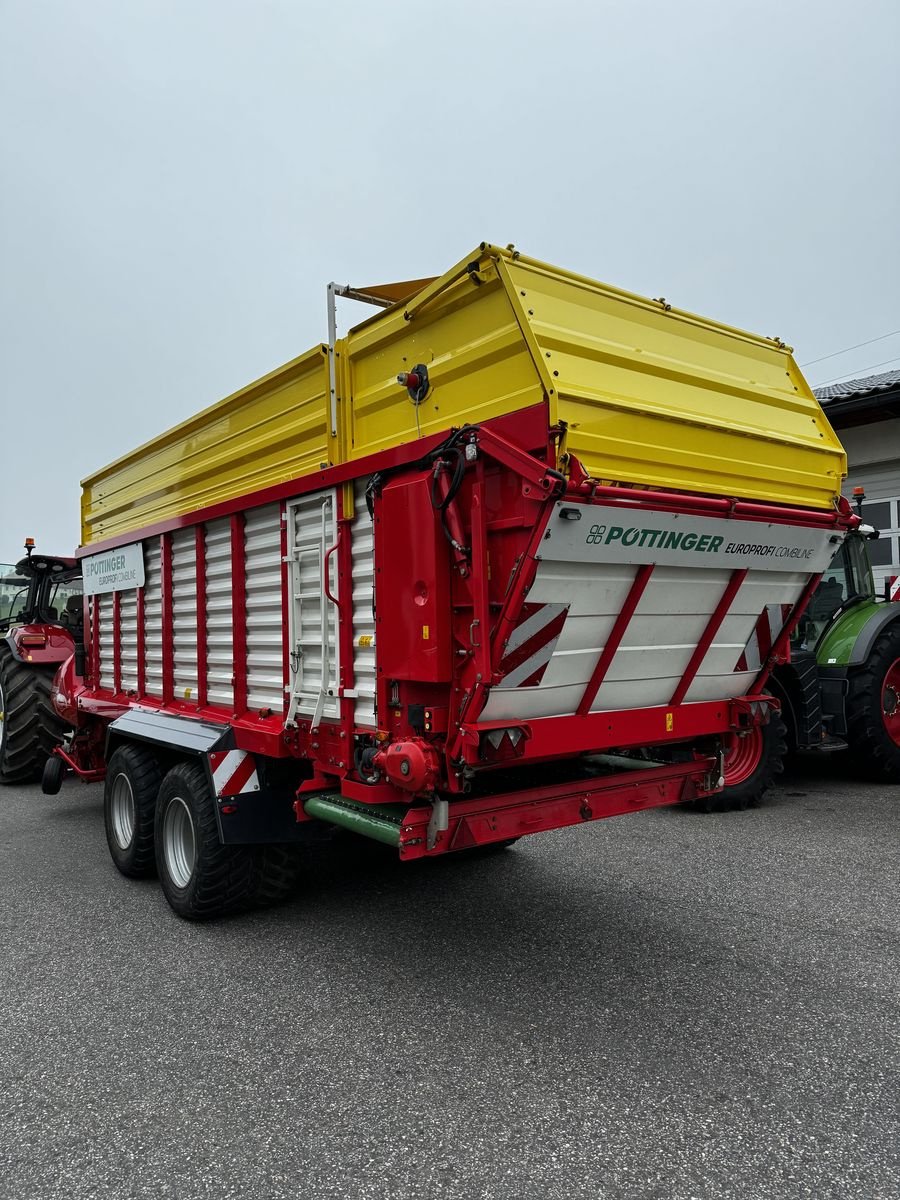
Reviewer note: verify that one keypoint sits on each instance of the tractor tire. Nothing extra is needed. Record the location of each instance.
(276, 874)
(30, 727)
(873, 710)
(201, 878)
(129, 808)
(751, 764)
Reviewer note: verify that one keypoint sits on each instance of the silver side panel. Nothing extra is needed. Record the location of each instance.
(184, 614)
(128, 641)
(265, 655)
(219, 622)
(152, 619)
(107, 672)
(363, 554)
(314, 665)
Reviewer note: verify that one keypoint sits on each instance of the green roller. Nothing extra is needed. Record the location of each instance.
(378, 821)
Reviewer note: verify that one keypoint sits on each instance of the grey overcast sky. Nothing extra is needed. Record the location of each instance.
(180, 180)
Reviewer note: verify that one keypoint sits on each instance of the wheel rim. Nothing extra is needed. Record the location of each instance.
(179, 843)
(123, 812)
(742, 756)
(890, 701)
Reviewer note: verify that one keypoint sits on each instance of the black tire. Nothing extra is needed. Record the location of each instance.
(872, 701)
(53, 775)
(129, 809)
(752, 785)
(489, 849)
(276, 873)
(30, 727)
(200, 877)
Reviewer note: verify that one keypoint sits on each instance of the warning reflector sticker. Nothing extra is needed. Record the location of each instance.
(531, 644)
(233, 772)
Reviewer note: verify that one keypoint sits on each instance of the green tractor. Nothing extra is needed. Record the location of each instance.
(41, 616)
(841, 689)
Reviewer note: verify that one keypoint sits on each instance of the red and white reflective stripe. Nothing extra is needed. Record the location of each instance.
(233, 772)
(894, 587)
(768, 626)
(531, 644)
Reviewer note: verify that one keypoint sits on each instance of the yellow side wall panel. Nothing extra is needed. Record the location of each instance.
(650, 396)
(271, 431)
(659, 397)
(478, 364)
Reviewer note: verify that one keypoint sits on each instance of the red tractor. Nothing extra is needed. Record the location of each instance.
(41, 619)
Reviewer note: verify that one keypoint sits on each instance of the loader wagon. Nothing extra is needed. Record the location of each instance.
(496, 562)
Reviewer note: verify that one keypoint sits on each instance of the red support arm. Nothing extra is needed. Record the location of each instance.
(545, 480)
(95, 641)
(748, 510)
(712, 628)
(140, 617)
(481, 624)
(623, 620)
(781, 642)
(117, 642)
(200, 561)
(239, 612)
(168, 630)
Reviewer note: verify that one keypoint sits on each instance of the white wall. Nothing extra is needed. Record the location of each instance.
(873, 455)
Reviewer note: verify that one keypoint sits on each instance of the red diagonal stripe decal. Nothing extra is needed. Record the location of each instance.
(547, 633)
(240, 777)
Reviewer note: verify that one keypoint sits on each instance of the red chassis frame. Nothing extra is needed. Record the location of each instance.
(499, 818)
(330, 745)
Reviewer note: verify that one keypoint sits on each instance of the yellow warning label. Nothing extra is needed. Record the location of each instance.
(670, 722)
(426, 633)
(365, 640)
(187, 693)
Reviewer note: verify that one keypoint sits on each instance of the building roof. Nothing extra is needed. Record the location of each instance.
(851, 388)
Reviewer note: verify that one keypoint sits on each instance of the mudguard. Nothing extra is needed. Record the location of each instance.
(40, 645)
(850, 640)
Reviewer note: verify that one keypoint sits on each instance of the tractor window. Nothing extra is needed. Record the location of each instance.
(62, 592)
(55, 596)
(13, 591)
(848, 577)
(837, 585)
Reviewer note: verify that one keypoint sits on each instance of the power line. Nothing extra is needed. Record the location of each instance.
(860, 373)
(847, 349)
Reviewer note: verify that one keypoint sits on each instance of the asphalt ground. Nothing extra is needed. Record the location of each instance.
(659, 1005)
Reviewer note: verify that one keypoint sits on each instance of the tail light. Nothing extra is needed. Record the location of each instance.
(500, 745)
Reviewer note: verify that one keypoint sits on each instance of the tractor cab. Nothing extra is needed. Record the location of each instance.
(848, 581)
(41, 589)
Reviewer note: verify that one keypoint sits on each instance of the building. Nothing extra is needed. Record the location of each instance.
(866, 415)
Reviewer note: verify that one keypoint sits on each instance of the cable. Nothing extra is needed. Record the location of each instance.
(847, 349)
(860, 373)
(373, 487)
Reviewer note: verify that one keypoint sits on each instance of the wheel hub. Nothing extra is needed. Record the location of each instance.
(890, 701)
(743, 753)
(179, 842)
(123, 812)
